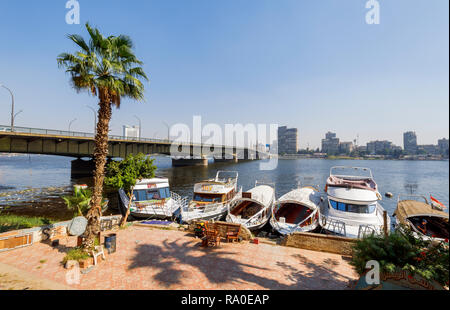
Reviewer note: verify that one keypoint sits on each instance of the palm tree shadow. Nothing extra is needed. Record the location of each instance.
(215, 264)
(316, 276)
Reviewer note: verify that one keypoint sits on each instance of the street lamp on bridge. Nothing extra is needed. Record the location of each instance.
(12, 106)
(168, 130)
(15, 115)
(70, 123)
(140, 128)
(95, 118)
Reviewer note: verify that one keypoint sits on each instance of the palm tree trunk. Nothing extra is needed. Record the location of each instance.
(125, 217)
(100, 154)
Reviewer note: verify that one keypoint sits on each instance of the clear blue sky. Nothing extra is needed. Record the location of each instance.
(314, 65)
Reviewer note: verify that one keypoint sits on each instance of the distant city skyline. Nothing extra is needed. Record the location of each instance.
(315, 66)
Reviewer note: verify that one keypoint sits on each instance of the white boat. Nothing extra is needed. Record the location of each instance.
(212, 198)
(352, 207)
(296, 211)
(152, 198)
(411, 212)
(254, 208)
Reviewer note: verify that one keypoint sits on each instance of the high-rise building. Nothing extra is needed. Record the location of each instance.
(443, 145)
(346, 147)
(287, 140)
(330, 135)
(378, 147)
(131, 132)
(330, 144)
(429, 149)
(410, 142)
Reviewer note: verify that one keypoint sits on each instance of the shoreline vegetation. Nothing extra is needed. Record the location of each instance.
(10, 222)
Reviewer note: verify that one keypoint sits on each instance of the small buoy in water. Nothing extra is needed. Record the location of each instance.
(389, 195)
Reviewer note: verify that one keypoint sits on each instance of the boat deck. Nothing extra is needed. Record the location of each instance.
(293, 213)
(246, 209)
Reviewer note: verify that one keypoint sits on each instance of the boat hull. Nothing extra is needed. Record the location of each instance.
(164, 212)
(284, 229)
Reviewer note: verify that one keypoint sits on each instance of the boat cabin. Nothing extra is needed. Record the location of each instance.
(148, 190)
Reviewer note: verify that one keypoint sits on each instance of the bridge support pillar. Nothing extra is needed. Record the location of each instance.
(183, 162)
(82, 168)
(225, 160)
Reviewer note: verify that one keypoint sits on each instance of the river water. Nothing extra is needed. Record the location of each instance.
(33, 184)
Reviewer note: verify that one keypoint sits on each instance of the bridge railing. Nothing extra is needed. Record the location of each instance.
(42, 131)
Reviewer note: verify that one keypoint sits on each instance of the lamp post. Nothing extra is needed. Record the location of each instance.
(70, 123)
(140, 128)
(168, 130)
(95, 118)
(12, 105)
(15, 115)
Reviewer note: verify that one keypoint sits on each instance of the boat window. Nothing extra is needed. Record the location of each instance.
(346, 207)
(208, 197)
(151, 194)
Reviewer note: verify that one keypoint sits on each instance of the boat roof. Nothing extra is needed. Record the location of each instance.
(212, 187)
(154, 180)
(351, 172)
(410, 208)
(353, 195)
(306, 196)
(342, 181)
(262, 194)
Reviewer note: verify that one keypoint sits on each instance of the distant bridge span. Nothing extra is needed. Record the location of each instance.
(79, 144)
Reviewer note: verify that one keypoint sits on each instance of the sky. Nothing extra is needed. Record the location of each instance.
(313, 65)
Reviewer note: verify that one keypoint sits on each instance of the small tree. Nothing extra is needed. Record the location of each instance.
(125, 174)
(79, 201)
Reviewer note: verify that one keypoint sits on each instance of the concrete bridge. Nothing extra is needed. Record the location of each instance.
(80, 144)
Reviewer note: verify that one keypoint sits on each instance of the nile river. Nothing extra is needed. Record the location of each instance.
(35, 182)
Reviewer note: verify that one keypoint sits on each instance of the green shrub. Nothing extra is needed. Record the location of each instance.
(401, 249)
(76, 254)
(15, 222)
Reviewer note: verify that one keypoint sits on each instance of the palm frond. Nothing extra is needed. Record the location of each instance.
(106, 63)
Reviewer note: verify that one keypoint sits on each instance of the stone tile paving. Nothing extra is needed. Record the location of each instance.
(164, 259)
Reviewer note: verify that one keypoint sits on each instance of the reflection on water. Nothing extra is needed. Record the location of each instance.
(48, 176)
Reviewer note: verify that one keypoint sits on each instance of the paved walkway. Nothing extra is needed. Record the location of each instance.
(163, 259)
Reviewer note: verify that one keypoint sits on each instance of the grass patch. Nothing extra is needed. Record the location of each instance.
(76, 254)
(15, 222)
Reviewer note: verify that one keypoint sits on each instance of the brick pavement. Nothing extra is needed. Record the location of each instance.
(164, 259)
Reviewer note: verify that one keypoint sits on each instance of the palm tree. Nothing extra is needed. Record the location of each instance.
(107, 68)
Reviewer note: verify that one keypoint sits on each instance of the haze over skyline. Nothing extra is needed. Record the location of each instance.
(316, 66)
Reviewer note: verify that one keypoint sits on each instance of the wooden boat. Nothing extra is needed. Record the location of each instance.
(412, 212)
(254, 208)
(296, 211)
(152, 198)
(212, 198)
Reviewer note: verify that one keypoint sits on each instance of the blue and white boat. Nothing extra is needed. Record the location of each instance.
(152, 198)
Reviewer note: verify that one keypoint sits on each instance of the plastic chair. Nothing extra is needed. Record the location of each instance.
(98, 251)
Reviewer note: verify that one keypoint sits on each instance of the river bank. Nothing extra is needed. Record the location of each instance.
(33, 185)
